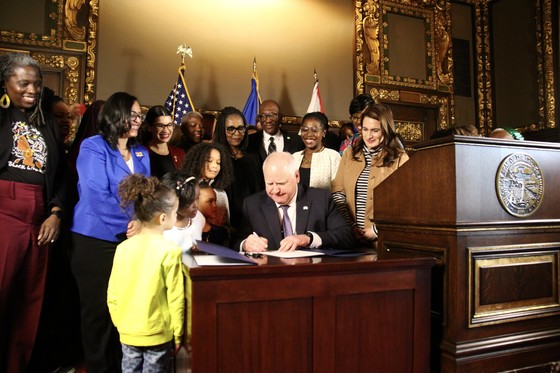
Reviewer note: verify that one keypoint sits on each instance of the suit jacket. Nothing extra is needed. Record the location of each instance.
(291, 144)
(315, 212)
(98, 213)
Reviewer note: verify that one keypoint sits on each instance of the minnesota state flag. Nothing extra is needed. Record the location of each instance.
(179, 101)
(251, 108)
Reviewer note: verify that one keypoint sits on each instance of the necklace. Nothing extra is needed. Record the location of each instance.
(307, 159)
(236, 153)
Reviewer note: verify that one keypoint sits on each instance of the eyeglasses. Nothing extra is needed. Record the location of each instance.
(313, 130)
(169, 126)
(134, 116)
(231, 130)
(266, 116)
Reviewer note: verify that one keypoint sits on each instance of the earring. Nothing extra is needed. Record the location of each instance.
(5, 101)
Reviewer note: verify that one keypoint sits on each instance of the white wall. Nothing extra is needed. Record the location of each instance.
(138, 42)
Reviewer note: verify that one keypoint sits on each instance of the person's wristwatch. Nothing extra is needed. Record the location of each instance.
(58, 213)
(308, 234)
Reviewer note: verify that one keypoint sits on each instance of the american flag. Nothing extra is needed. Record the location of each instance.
(179, 102)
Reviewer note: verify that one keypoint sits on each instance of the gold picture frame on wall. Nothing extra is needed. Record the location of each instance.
(32, 23)
(407, 46)
(67, 50)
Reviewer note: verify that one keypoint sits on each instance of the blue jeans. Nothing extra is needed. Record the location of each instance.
(151, 359)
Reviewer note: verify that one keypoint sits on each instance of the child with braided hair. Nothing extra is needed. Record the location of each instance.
(146, 294)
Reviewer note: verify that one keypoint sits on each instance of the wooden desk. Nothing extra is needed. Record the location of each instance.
(318, 315)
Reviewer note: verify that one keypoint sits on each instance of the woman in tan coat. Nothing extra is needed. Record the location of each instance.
(377, 154)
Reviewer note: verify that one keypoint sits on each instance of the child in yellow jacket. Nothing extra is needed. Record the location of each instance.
(146, 293)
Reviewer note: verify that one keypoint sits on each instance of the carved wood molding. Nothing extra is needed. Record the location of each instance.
(369, 59)
(439, 101)
(372, 73)
(512, 283)
(90, 81)
(68, 47)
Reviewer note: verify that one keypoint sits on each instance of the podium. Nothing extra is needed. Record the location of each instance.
(488, 210)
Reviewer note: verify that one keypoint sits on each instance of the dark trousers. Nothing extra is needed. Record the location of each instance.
(91, 261)
(59, 341)
(23, 269)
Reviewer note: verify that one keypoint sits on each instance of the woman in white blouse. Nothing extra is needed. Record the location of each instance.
(317, 164)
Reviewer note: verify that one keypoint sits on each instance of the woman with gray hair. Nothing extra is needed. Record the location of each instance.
(192, 129)
(31, 184)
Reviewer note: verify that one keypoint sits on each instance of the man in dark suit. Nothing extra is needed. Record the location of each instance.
(286, 215)
(260, 142)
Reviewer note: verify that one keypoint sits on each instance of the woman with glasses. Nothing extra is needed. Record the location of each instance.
(100, 223)
(373, 158)
(317, 164)
(164, 158)
(231, 131)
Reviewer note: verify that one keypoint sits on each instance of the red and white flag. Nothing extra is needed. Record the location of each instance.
(316, 104)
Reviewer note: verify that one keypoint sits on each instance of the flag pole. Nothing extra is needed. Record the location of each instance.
(256, 79)
(179, 101)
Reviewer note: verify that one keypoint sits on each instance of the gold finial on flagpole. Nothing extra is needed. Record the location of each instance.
(315, 74)
(183, 50)
(254, 65)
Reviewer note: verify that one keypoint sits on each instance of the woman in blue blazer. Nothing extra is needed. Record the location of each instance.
(100, 223)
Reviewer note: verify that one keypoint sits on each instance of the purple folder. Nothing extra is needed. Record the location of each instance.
(222, 251)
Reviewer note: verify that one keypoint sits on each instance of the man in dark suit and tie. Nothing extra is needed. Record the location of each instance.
(287, 215)
(272, 138)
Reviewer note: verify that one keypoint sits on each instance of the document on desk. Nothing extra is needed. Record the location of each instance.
(221, 255)
(215, 260)
(292, 254)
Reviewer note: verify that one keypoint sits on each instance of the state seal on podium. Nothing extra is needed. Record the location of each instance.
(520, 185)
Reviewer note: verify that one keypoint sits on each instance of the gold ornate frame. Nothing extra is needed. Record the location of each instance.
(545, 65)
(371, 45)
(372, 73)
(52, 38)
(545, 68)
(425, 15)
(371, 52)
(67, 52)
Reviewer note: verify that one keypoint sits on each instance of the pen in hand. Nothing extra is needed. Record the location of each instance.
(258, 243)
